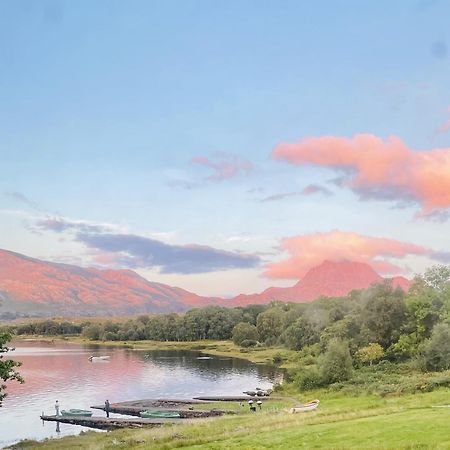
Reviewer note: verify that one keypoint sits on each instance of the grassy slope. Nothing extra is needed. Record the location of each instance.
(366, 422)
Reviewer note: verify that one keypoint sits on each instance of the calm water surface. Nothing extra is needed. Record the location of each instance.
(62, 371)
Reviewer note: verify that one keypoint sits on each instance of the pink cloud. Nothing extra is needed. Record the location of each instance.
(308, 190)
(376, 168)
(444, 128)
(224, 165)
(310, 250)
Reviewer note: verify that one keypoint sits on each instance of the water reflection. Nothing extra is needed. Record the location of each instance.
(63, 371)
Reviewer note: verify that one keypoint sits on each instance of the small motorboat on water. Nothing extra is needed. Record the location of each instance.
(159, 414)
(313, 404)
(76, 413)
(99, 358)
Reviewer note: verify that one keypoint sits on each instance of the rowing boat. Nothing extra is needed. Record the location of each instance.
(313, 404)
(76, 413)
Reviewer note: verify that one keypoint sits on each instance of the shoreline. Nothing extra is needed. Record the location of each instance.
(256, 355)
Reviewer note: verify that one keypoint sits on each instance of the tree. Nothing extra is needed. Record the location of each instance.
(336, 363)
(436, 351)
(92, 332)
(370, 353)
(244, 331)
(7, 366)
(299, 334)
(270, 325)
(384, 314)
(437, 277)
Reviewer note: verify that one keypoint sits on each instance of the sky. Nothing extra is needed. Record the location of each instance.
(224, 147)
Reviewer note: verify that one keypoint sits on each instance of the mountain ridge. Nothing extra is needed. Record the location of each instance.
(30, 286)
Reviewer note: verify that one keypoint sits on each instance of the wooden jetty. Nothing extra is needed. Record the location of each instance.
(111, 423)
(134, 408)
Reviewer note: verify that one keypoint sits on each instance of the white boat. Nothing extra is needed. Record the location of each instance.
(313, 404)
(99, 358)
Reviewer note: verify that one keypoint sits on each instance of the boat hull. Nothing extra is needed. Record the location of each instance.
(310, 406)
(159, 415)
(76, 413)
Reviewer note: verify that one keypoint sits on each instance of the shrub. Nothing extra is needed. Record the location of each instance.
(435, 354)
(277, 358)
(309, 379)
(249, 343)
(336, 363)
(243, 332)
(370, 353)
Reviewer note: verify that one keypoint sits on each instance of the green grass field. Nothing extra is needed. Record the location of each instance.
(340, 422)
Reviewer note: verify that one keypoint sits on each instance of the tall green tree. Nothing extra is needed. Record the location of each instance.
(299, 334)
(436, 351)
(7, 366)
(270, 324)
(384, 314)
(336, 363)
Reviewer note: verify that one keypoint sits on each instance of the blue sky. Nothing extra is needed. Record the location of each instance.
(104, 105)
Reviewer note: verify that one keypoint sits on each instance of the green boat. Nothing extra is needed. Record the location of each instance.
(76, 413)
(159, 415)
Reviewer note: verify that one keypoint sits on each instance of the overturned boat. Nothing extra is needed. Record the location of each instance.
(313, 404)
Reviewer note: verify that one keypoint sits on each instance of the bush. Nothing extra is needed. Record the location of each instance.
(249, 343)
(244, 332)
(370, 353)
(336, 363)
(309, 379)
(435, 354)
(277, 358)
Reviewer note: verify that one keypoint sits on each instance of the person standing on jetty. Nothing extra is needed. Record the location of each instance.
(57, 407)
(107, 408)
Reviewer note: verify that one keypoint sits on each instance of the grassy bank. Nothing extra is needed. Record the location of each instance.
(341, 422)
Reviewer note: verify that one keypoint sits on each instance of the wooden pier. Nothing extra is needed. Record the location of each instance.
(111, 423)
(134, 408)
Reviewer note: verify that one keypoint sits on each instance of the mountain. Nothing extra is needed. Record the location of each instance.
(332, 279)
(30, 286)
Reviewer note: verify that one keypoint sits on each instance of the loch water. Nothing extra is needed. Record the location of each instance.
(62, 371)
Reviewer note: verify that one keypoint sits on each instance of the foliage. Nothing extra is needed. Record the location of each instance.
(244, 332)
(7, 366)
(370, 353)
(336, 363)
(384, 314)
(435, 354)
(270, 324)
(300, 334)
(309, 379)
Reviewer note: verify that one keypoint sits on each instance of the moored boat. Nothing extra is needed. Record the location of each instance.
(76, 413)
(98, 358)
